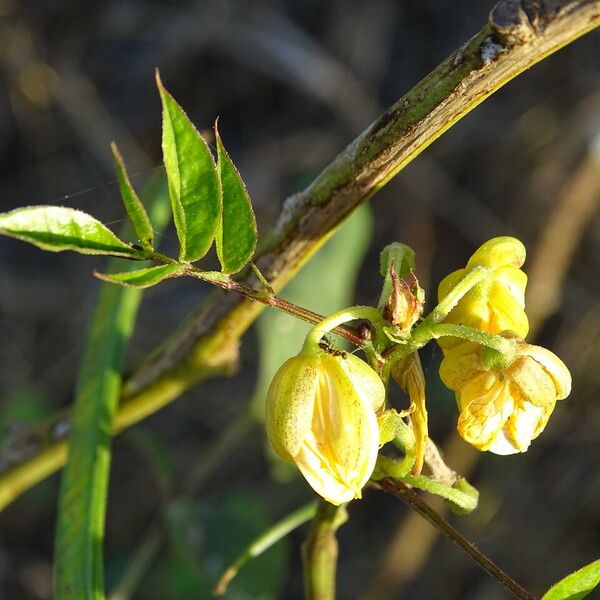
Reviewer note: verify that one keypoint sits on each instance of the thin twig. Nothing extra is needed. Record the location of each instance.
(270, 537)
(274, 301)
(412, 499)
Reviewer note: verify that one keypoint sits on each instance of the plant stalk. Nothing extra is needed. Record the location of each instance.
(269, 299)
(320, 552)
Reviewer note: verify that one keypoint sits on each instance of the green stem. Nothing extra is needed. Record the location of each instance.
(397, 354)
(332, 322)
(264, 542)
(427, 331)
(466, 284)
(320, 552)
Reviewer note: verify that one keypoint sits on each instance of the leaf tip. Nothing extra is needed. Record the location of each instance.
(159, 83)
(117, 156)
(98, 275)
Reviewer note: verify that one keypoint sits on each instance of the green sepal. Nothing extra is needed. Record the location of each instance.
(393, 427)
(401, 256)
(401, 259)
(393, 467)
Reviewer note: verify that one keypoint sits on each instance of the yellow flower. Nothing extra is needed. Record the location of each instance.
(497, 303)
(321, 415)
(502, 410)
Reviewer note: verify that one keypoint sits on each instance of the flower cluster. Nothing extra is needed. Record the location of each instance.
(325, 407)
(503, 405)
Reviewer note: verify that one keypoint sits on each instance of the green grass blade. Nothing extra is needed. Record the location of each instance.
(78, 572)
(236, 234)
(193, 181)
(264, 541)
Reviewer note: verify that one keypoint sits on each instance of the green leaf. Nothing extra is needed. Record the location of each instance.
(193, 181)
(576, 585)
(236, 233)
(133, 205)
(78, 573)
(57, 228)
(143, 278)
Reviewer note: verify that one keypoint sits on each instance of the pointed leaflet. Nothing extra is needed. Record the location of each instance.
(577, 585)
(143, 278)
(192, 177)
(57, 228)
(133, 205)
(236, 234)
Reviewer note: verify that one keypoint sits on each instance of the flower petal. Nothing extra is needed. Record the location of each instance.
(320, 479)
(533, 381)
(486, 404)
(498, 252)
(527, 421)
(460, 364)
(290, 403)
(364, 380)
(554, 367)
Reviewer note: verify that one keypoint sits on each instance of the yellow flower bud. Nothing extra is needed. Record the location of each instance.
(321, 415)
(502, 410)
(497, 303)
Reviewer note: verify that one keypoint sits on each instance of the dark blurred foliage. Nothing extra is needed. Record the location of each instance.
(293, 82)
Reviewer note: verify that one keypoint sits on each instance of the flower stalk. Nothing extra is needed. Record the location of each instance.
(320, 552)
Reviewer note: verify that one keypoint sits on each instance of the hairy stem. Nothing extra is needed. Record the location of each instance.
(465, 285)
(269, 299)
(333, 322)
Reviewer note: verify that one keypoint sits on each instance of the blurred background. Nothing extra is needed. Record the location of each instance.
(293, 82)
